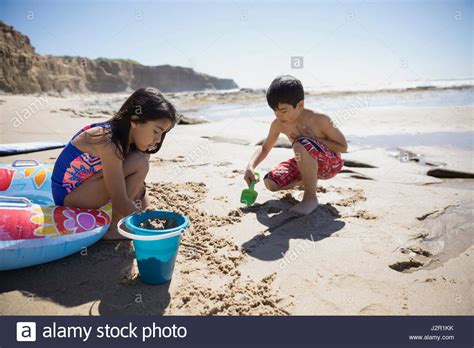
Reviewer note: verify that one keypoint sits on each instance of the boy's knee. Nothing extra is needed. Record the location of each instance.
(271, 185)
(302, 153)
(298, 148)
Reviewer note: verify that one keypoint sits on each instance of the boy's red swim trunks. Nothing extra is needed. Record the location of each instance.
(329, 163)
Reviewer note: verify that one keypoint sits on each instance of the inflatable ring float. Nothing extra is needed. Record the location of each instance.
(32, 229)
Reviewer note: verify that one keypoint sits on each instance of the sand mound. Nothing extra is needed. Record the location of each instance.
(356, 195)
(235, 298)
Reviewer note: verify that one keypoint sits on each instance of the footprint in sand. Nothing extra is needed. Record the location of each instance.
(375, 309)
(418, 258)
(444, 236)
(407, 266)
(351, 281)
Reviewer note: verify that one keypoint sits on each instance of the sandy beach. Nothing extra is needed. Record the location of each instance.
(386, 240)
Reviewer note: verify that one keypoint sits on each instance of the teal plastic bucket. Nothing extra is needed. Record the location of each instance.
(155, 250)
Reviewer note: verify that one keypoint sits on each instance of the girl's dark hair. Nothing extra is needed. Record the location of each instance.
(148, 104)
(285, 89)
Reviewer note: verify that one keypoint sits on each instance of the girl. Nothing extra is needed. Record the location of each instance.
(110, 160)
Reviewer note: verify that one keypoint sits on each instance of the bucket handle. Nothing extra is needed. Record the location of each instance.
(146, 238)
(7, 201)
(25, 163)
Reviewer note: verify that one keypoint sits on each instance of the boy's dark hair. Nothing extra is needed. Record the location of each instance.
(285, 89)
(148, 104)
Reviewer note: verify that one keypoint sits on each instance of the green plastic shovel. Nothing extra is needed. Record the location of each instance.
(249, 196)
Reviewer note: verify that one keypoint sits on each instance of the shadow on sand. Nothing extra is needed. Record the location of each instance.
(91, 277)
(273, 243)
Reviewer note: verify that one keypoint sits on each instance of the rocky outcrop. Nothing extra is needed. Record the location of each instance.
(24, 71)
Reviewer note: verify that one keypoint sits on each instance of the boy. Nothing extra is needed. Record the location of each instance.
(316, 142)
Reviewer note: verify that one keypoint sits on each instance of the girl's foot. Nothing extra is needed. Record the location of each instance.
(112, 234)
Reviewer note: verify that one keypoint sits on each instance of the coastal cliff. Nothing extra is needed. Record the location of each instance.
(22, 70)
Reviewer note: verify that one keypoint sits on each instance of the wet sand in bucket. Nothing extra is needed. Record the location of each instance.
(158, 224)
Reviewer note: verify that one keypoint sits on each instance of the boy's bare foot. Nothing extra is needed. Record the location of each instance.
(305, 207)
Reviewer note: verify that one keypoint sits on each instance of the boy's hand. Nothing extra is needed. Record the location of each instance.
(250, 176)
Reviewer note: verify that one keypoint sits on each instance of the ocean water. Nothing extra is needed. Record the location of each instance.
(338, 101)
(461, 140)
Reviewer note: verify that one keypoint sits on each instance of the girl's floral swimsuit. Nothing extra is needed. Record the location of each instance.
(74, 167)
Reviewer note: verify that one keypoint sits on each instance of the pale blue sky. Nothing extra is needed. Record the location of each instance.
(342, 42)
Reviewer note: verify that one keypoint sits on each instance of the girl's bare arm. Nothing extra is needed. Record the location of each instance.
(114, 178)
